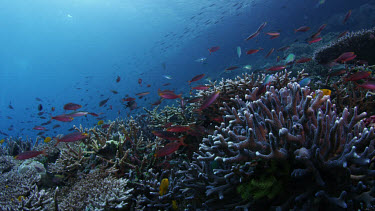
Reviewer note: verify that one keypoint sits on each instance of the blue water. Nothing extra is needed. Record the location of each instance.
(73, 51)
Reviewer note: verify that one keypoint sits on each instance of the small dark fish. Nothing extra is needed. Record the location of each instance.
(231, 68)
(38, 99)
(196, 78)
(118, 79)
(40, 107)
(283, 48)
(342, 34)
(302, 29)
(140, 81)
(103, 102)
(72, 106)
(128, 99)
(55, 126)
(213, 49)
(10, 106)
(114, 91)
(166, 84)
(270, 52)
(347, 16)
(303, 60)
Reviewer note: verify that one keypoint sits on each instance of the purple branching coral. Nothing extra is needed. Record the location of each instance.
(286, 150)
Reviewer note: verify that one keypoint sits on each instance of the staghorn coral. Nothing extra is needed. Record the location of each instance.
(362, 43)
(322, 159)
(19, 190)
(95, 191)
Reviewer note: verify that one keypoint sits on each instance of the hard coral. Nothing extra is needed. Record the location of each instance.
(362, 43)
(322, 159)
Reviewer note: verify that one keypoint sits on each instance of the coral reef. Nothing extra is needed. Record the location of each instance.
(285, 150)
(361, 42)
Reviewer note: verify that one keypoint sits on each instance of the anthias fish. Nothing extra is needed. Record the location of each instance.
(72, 106)
(166, 135)
(209, 100)
(72, 137)
(358, 76)
(302, 29)
(276, 68)
(213, 49)
(197, 78)
(303, 60)
(170, 148)
(29, 154)
(63, 118)
(231, 68)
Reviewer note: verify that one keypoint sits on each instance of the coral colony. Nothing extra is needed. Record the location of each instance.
(286, 140)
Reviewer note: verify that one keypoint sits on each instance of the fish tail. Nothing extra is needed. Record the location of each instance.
(44, 152)
(58, 141)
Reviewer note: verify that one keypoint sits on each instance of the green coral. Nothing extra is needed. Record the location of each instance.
(269, 182)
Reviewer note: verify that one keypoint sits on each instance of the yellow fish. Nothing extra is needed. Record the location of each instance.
(325, 92)
(163, 186)
(100, 122)
(47, 139)
(174, 205)
(2, 141)
(20, 198)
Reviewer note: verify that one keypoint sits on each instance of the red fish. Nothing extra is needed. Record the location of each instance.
(367, 85)
(178, 129)
(347, 16)
(72, 106)
(322, 27)
(231, 68)
(342, 34)
(273, 33)
(142, 93)
(209, 100)
(303, 60)
(315, 35)
(140, 81)
(93, 114)
(39, 128)
(252, 51)
(302, 29)
(165, 135)
(316, 39)
(358, 76)
(29, 154)
(62, 118)
(170, 148)
(201, 87)
(273, 37)
(252, 36)
(196, 78)
(128, 99)
(213, 49)
(167, 95)
(148, 85)
(344, 56)
(72, 137)
(270, 52)
(276, 68)
(118, 79)
(157, 102)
